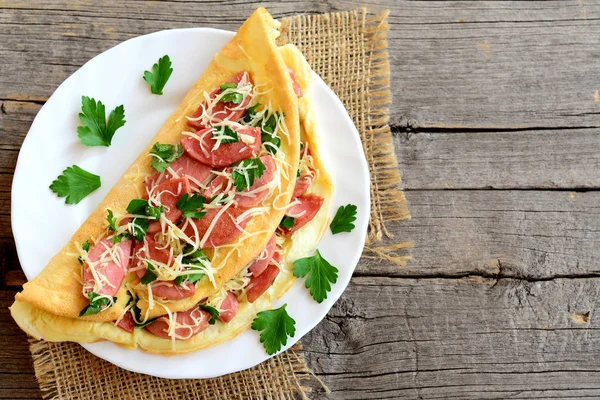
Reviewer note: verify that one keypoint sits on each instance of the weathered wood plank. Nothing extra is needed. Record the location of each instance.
(17, 380)
(500, 160)
(459, 339)
(522, 233)
(506, 64)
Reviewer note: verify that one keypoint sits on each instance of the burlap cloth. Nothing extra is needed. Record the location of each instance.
(349, 51)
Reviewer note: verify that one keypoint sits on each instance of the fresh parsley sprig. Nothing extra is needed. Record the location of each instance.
(225, 134)
(344, 219)
(85, 246)
(96, 131)
(161, 72)
(191, 205)
(150, 275)
(321, 274)
(276, 325)
(246, 172)
(97, 304)
(198, 259)
(75, 184)
(231, 96)
(164, 154)
(287, 222)
(141, 207)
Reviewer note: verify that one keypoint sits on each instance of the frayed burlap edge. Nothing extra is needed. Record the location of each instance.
(67, 371)
(358, 42)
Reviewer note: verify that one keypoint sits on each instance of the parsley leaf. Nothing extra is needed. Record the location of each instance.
(251, 113)
(246, 171)
(230, 85)
(232, 97)
(276, 325)
(226, 134)
(161, 72)
(320, 273)
(140, 227)
(344, 219)
(85, 247)
(214, 313)
(145, 324)
(137, 206)
(164, 154)
(97, 304)
(197, 258)
(75, 184)
(287, 222)
(190, 205)
(154, 212)
(95, 130)
(112, 221)
(150, 275)
(268, 137)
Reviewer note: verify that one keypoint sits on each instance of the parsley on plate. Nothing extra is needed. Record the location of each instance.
(344, 219)
(161, 72)
(75, 184)
(96, 131)
(276, 325)
(320, 273)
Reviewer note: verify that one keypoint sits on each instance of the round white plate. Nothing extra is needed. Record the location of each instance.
(42, 223)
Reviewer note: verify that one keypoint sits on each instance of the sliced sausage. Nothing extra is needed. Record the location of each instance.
(110, 273)
(127, 323)
(259, 284)
(223, 110)
(190, 323)
(168, 194)
(260, 263)
(249, 197)
(295, 84)
(228, 308)
(226, 154)
(223, 232)
(169, 290)
(303, 212)
(302, 185)
(154, 252)
(197, 173)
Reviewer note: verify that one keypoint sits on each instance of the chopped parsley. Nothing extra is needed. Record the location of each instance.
(246, 171)
(85, 247)
(344, 219)
(75, 184)
(320, 273)
(275, 326)
(251, 113)
(225, 134)
(231, 97)
(112, 220)
(214, 313)
(150, 275)
(97, 304)
(271, 141)
(96, 131)
(197, 259)
(161, 72)
(191, 205)
(164, 154)
(287, 222)
(229, 85)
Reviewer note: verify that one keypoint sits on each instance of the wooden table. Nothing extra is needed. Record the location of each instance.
(495, 119)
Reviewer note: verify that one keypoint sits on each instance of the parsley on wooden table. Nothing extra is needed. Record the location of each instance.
(96, 131)
(320, 273)
(75, 184)
(246, 171)
(276, 325)
(160, 74)
(344, 219)
(164, 154)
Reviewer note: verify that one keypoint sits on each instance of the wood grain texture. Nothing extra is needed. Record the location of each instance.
(468, 338)
(487, 95)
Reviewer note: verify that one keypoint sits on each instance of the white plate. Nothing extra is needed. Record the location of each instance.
(42, 223)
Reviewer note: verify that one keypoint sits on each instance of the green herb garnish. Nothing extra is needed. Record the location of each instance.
(164, 154)
(214, 313)
(191, 205)
(344, 219)
(75, 184)
(96, 131)
(161, 72)
(225, 134)
(276, 325)
(320, 273)
(97, 304)
(150, 275)
(287, 222)
(246, 172)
